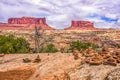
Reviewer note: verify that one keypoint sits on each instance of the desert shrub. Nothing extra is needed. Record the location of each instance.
(12, 44)
(48, 48)
(81, 45)
(62, 50)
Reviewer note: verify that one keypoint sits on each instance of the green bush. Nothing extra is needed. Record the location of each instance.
(49, 48)
(81, 45)
(12, 44)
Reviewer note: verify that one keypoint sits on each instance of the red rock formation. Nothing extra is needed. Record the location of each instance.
(81, 25)
(25, 23)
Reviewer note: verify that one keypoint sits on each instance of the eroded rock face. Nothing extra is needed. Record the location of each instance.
(82, 25)
(24, 23)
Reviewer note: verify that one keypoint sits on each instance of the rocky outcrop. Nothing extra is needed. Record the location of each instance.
(25, 23)
(81, 25)
(104, 56)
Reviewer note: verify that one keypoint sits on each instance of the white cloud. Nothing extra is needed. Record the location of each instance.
(89, 9)
(35, 1)
(113, 16)
(58, 18)
(106, 25)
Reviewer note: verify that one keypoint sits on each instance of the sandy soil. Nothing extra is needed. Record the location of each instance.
(55, 66)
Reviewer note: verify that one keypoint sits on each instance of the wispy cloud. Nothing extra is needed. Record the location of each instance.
(59, 13)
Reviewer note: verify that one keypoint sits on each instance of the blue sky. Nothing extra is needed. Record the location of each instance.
(59, 13)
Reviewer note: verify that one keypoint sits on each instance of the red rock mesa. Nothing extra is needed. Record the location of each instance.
(81, 25)
(25, 23)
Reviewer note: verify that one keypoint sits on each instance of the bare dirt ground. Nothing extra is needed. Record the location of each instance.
(53, 66)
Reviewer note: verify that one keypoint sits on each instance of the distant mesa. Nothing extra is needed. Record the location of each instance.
(81, 25)
(26, 23)
(27, 20)
(29, 23)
